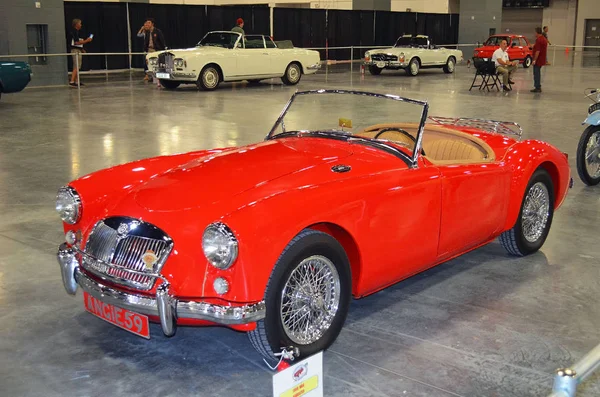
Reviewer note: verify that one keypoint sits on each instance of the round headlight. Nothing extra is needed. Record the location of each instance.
(220, 245)
(153, 61)
(68, 205)
(178, 63)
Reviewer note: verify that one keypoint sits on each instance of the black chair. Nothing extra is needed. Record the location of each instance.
(486, 69)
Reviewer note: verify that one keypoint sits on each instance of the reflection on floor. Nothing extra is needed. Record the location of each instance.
(485, 324)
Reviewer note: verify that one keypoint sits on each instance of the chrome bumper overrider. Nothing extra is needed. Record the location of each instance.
(164, 305)
(316, 66)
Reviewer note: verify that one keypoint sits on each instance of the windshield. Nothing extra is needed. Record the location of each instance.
(409, 41)
(496, 40)
(219, 39)
(384, 121)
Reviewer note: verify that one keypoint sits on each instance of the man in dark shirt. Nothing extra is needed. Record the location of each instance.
(539, 58)
(154, 40)
(76, 44)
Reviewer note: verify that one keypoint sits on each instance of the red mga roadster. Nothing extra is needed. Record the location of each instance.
(349, 193)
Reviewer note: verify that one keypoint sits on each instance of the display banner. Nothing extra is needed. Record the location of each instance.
(304, 379)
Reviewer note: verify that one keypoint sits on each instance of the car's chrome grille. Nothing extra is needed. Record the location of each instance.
(166, 62)
(384, 57)
(109, 245)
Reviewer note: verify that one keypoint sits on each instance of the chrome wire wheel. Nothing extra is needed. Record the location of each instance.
(210, 78)
(310, 300)
(536, 211)
(592, 155)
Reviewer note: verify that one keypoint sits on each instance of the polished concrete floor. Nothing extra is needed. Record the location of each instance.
(485, 324)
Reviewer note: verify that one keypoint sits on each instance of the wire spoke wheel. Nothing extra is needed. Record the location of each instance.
(310, 300)
(592, 155)
(536, 211)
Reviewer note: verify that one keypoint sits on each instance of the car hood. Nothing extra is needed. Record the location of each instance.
(217, 177)
(487, 48)
(391, 50)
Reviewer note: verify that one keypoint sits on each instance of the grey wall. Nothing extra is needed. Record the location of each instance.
(380, 5)
(476, 18)
(522, 21)
(15, 15)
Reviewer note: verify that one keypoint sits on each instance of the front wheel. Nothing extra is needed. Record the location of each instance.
(527, 62)
(450, 65)
(374, 70)
(292, 74)
(533, 224)
(169, 84)
(209, 78)
(307, 297)
(588, 156)
(413, 67)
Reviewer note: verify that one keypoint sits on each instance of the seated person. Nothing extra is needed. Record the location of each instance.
(504, 66)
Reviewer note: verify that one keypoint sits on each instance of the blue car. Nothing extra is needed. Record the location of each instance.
(14, 76)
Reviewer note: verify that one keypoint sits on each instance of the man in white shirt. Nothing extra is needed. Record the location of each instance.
(504, 65)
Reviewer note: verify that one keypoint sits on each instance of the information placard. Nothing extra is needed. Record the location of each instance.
(303, 379)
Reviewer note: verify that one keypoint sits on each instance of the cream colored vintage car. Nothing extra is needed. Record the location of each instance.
(229, 56)
(412, 53)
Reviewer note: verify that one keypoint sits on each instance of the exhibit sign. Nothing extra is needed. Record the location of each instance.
(304, 379)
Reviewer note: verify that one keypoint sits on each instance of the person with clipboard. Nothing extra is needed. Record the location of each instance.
(76, 45)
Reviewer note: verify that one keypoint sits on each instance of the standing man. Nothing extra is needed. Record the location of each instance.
(504, 66)
(545, 34)
(239, 26)
(154, 40)
(76, 45)
(539, 59)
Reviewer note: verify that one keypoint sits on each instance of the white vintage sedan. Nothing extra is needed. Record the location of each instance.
(412, 53)
(229, 56)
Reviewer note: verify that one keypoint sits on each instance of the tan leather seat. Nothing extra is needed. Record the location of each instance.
(453, 149)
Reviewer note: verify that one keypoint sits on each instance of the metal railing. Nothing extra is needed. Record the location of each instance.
(566, 380)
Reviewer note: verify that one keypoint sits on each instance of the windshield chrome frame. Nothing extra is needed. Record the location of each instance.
(419, 137)
(222, 31)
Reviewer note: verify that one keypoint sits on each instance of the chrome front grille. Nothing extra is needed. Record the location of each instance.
(384, 57)
(116, 247)
(166, 62)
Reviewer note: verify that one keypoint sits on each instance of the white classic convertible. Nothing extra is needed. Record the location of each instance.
(229, 56)
(412, 53)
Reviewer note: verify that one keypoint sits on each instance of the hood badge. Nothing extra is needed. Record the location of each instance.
(123, 229)
(340, 168)
(149, 258)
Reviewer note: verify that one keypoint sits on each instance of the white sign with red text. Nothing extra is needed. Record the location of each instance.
(303, 379)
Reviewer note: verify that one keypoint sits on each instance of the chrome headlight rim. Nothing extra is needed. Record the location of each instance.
(231, 242)
(179, 62)
(76, 202)
(153, 61)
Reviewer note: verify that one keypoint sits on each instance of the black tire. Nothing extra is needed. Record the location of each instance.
(413, 67)
(450, 65)
(374, 70)
(582, 148)
(292, 75)
(169, 84)
(515, 240)
(527, 62)
(209, 78)
(270, 335)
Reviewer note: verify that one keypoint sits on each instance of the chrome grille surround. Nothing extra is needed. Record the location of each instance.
(384, 57)
(166, 62)
(115, 247)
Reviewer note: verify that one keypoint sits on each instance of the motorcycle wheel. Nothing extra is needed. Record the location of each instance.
(588, 156)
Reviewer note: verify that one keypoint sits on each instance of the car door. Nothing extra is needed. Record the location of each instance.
(474, 205)
(516, 51)
(277, 58)
(253, 59)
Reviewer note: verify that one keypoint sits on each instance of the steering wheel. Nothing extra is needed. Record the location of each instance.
(400, 130)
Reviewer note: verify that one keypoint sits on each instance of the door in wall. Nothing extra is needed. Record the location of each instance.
(592, 34)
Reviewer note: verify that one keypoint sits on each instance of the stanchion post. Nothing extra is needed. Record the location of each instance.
(351, 59)
(77, 66)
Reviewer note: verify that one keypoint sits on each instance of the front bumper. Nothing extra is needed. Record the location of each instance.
(315, 67)
(164, 306)
(386, 64)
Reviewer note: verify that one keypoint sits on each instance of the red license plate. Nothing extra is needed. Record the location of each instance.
(129, 321)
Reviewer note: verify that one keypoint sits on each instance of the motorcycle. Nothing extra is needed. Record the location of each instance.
(588, 149)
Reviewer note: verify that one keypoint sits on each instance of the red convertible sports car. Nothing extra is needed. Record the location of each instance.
(349, 193)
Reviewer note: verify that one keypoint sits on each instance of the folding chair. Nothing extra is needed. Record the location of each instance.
(486, 69)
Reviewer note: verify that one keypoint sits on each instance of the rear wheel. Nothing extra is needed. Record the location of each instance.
(413, 67)
(307, 297)
(292, 74)
(588, 156)
(527, 62)
(374, 70)
(209, 78)
(450, 65)
(533, 224)
(169, 84)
